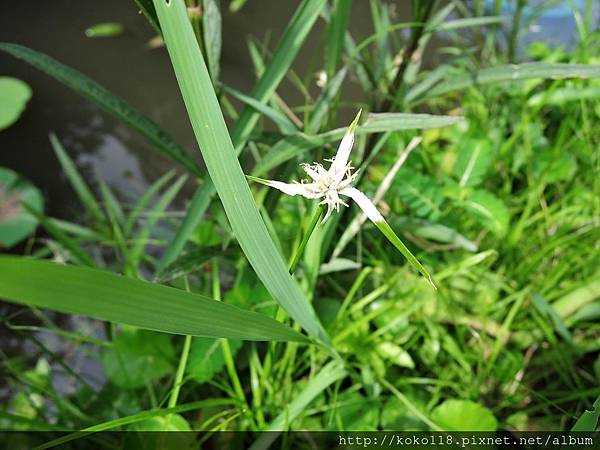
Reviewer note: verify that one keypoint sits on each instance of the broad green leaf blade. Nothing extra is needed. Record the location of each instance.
(588, 421)
(283, 56)
(224, 168)
(107, 296)
(464, 415)
(79, 185)
(489, 210)
(514, 72)
(106, 100)
(14, 95)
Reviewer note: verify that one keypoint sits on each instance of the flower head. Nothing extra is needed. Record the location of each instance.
(331, 184)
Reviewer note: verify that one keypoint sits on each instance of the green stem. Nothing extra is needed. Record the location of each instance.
(225, 347)
(182, 362)
(311, 227)
(514, 35)
(180, 371)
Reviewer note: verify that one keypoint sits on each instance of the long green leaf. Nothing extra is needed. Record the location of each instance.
(79, 185)
(283, 56)
(514, 72)
(224, 168)
(107, 296)
(128, 420)
(292, 146)
(106, 100)
(336, 31)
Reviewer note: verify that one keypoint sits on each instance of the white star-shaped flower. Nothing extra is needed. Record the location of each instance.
(330, 184)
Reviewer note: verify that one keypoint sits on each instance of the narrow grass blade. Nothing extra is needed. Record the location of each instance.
(195, 210)
(79, 185)
(387, 231)
(293, 146)
(323, 105)
(107, 296)
(470, 22)
(144, 415)
(153, 216)
(147, 8)
(284, 124)
(211, 30)
(224, 168)
(382, 122)
(106, 100)
(111, 203)
(143, 201)
(336, 31)
(325, 378)
(283, 56)
(514, 72)
(57, 233)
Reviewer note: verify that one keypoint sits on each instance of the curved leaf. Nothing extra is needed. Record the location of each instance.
(107, 296)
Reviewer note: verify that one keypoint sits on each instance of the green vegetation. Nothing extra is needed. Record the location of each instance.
(485, 170)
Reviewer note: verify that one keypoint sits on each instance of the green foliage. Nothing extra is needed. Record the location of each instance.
(489, 210)
(474, 159)
(16, 195)
(14, 95)
(421, 193)
(463, 415)
(206, 358)
(104, 29)
(137, 357)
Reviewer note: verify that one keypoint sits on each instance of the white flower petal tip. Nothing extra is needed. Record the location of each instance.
(363, 203)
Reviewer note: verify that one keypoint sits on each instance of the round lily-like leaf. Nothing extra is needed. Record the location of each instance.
(16, 223)
(14, 95)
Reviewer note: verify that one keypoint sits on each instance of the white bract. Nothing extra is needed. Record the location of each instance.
(330, 184)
